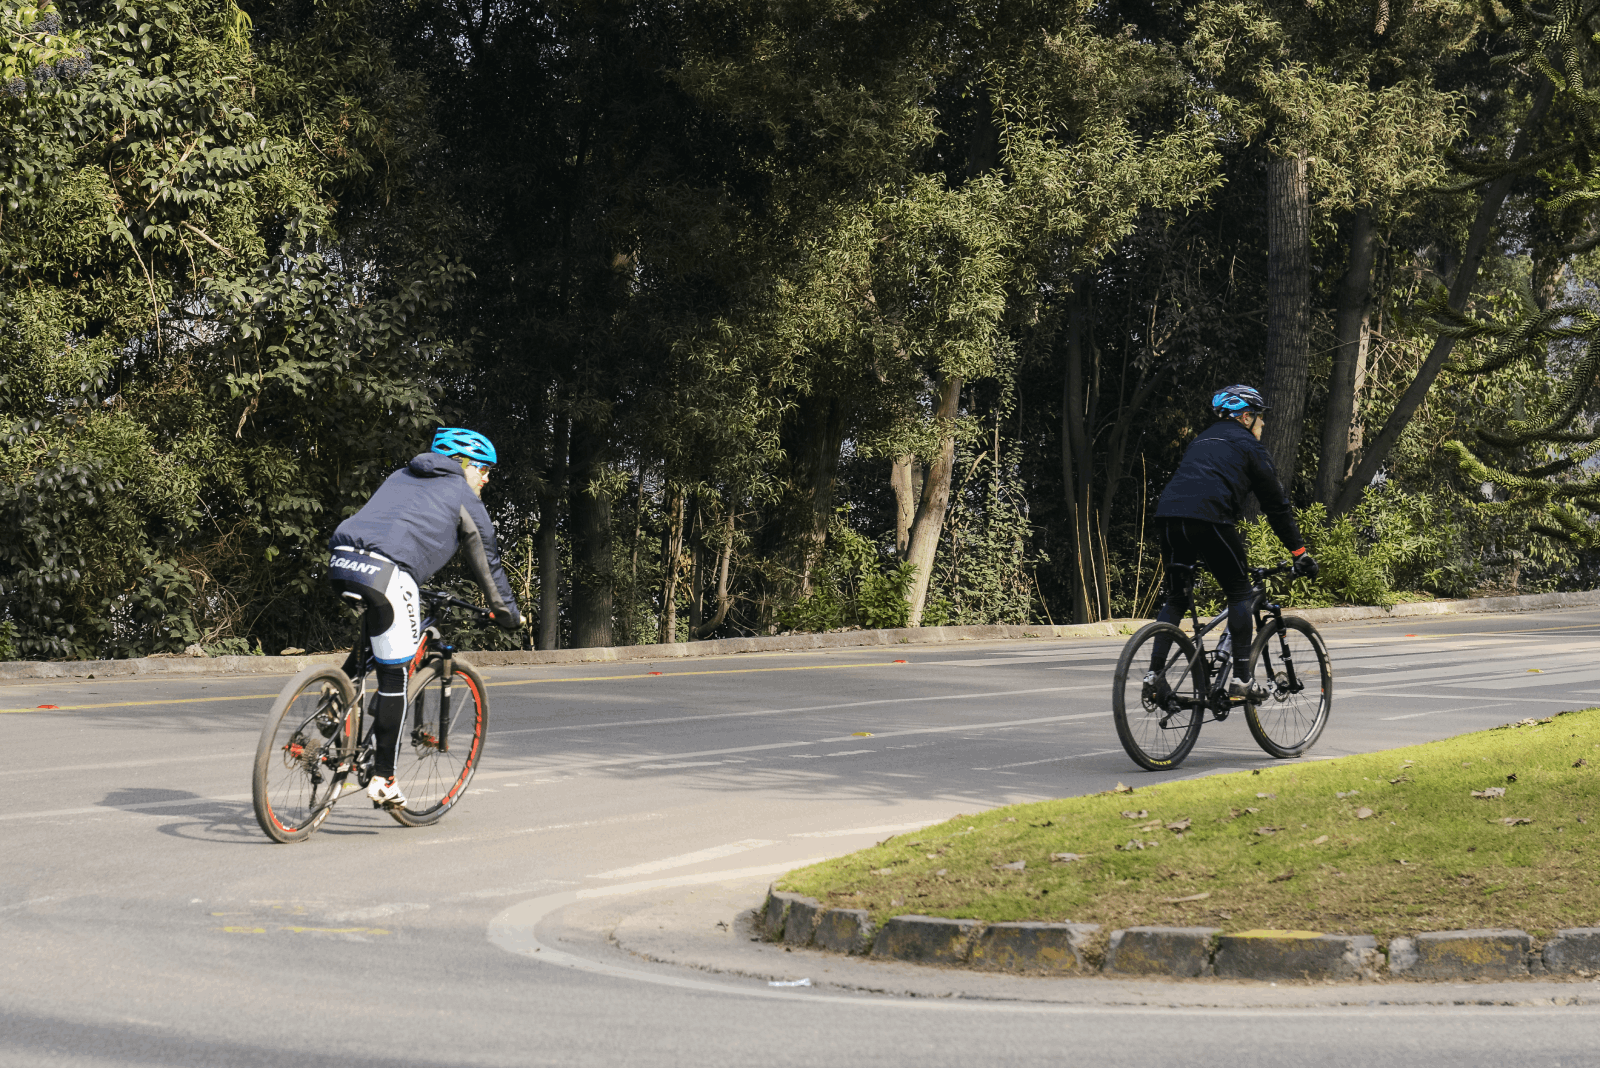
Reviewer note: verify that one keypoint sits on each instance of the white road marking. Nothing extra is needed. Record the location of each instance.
(638, 817)
(1049, 760)
(699, 857)
(887, 828)
(681, 764)
(243, 753)
(851, 752)
(1440, 711)
(788, 711)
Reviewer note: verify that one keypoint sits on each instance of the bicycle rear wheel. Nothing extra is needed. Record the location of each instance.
(297, 769)
(1159, 723)
(1292, 662)
(435, 766)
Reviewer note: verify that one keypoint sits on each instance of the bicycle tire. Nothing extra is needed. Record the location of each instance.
(297, 774)
(434, 779)
(1290, 720)
(1158, 737)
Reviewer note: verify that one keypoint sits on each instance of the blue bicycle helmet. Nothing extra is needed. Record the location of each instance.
(1232, 400)
(459, 441)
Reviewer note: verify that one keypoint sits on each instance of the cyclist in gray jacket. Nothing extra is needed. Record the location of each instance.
(406, 532)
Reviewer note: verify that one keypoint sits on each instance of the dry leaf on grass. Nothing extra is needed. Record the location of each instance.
(1121, 789)
(1134, 844)
(1512, 777)
(1363, 813)
(1015, 865)
(1582, 763)
(1141, 814)
(1319, 839)
(1285, 877)
(1065, 858)
(1181, 900)
(1346, 793)
(1179, 826)
(1491, 793)
(1515, 821)
(1268, 797)
(1268, 830)
(1397, 782)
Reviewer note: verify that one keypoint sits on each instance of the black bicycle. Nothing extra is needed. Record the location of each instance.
(1159, 712)
(317, 737)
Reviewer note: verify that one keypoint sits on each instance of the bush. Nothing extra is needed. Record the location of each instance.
(1391, 541)
(852, 586)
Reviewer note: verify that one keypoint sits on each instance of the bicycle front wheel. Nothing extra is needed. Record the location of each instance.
(1159, 719)
(302, 759)
(445, 741)
(1292, 662)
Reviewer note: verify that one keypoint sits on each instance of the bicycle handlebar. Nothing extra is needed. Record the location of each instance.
(1266, 572)
(439, 597)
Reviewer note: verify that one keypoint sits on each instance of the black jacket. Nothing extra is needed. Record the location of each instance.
(1218, 468)
(419, 517)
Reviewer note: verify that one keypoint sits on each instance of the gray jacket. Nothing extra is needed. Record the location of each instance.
(420, 516)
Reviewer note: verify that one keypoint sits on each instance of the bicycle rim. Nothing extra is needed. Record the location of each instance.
(434, 768)
(1159, 729)
(297, 773)
(1292, 662)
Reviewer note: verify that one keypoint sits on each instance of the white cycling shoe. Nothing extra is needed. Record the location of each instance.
(1246, 690)
(385, 793)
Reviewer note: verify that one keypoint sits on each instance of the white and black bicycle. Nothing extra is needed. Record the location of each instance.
(317, 743)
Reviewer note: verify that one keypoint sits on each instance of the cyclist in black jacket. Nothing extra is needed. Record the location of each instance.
(1196, 521)
(407, 531)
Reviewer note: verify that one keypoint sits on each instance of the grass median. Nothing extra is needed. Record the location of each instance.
(1491, 829)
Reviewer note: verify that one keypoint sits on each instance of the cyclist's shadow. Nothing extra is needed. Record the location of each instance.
(220, 822)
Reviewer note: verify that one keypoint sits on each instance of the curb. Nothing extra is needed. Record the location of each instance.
(1177, 952)
(288, 665)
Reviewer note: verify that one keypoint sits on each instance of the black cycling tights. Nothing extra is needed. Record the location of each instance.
(388, 708)
(1220, 549)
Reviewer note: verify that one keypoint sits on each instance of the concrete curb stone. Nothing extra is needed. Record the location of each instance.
(926, 939)
(1295, 955)
(288, 665)
(801, 922)
(846, 931)
(1048, 948)
(1184, 952)
(1471, 954)
(776, 911)
(1573, 950)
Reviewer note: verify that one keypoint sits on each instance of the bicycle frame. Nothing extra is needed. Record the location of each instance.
(356, 754)
(1261, 609)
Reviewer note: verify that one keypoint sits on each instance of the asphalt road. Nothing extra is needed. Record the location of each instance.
(145, 919)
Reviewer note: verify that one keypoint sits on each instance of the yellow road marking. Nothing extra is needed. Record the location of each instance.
(508, 682)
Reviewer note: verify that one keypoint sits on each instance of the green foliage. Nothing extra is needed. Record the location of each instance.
(8, 640)
(852, 587)
(984, 571)
(1392, 542)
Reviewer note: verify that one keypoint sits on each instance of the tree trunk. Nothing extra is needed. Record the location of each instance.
(903, 479)
(1288, 310)
(697, 578)
(672, 553)
(592, 587)
(723, 600)
(549, 540)
(1373, 455)
(1340, 431)
(1090, 593)
(814, 458)
(935, 499)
